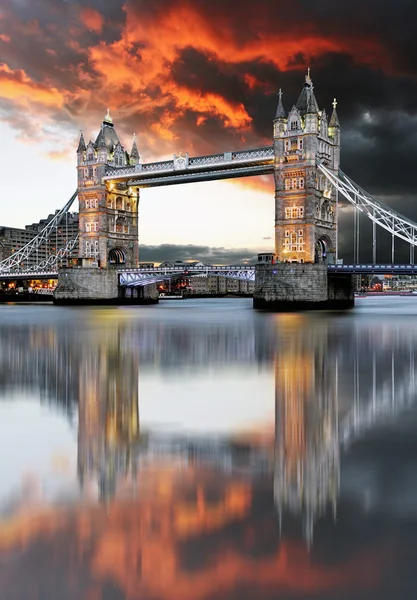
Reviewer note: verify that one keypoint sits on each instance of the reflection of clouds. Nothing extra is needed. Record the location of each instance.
(192, 517)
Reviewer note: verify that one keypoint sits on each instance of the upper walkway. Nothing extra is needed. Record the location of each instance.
(185, 169)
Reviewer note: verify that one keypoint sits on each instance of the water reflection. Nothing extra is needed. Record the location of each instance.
(187, 512)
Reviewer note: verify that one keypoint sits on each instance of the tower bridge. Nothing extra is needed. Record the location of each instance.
(304, 160)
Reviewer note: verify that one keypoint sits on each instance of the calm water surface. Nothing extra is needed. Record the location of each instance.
(202, 450)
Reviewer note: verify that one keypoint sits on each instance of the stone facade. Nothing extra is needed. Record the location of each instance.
(305, 203)
(289, 287)
(99, 286)
(108, 212)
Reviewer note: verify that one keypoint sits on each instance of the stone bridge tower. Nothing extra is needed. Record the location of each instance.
(305, 203)
(108, 215)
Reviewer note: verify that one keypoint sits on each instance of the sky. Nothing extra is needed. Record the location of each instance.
(202, 77)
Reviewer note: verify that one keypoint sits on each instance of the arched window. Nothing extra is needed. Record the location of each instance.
(119, 203)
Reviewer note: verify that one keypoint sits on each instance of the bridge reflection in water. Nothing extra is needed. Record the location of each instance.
(184, 514)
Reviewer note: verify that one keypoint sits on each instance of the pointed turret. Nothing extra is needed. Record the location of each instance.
(134, 155)
(81, 144)
(334, 126)
(280, 108)
(334, 120)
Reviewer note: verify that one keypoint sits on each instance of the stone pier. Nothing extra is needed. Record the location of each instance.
(84, 286)
(286, 287)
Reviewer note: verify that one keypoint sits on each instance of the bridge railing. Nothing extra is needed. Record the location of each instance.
(194, 162)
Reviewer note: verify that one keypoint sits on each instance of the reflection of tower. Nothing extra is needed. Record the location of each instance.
(306, 439)
(108, 411)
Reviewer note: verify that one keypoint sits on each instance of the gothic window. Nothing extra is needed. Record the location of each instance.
(294, 125)
(294, 241)
(287, 233)
(121, 225)
(88, 227)
(288, 213)
(90, 172)
(119, 203)
(294, 184)
(111, 204)
(87, 203)
(287, 184)
(85, 172)
(128, 207)
(301, 143)
(301, 183)
(286, 145)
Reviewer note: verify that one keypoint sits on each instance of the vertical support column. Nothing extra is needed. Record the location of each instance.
(392, 244)
(355, 218)
(373, 240)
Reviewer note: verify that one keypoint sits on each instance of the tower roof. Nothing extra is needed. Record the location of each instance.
(81, 144)
(280, 108)
(134, 153)
(307, 103)
(334, 119)
(107, 136)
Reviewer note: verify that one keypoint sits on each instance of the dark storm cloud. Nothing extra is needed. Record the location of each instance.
(202, 76)
(205, 254)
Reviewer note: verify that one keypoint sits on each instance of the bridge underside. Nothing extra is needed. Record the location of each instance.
(147, 277)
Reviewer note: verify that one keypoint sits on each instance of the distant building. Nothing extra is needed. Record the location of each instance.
(13, 239)
(217, 284)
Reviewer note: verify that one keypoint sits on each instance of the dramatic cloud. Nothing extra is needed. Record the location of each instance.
(202, 76)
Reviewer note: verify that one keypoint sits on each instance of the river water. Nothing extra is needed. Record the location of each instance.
(202, 450)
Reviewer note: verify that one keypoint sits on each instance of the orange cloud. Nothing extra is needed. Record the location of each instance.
(92, 19)
(16, 85)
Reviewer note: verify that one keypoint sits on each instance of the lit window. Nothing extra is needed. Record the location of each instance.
(87, 203)
(288, 213)
(300, 233)
(287, 184)
(301, 183)
(287, 233)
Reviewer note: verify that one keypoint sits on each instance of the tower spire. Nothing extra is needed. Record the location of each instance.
(134, 154)
(81, 144)
(307, 103)
(107, 119)
(334, 120)
(280, 108)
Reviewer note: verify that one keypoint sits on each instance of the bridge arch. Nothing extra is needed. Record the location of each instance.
(322, 248)
(116, 256)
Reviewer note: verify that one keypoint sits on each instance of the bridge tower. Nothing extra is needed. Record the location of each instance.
(307, 462)
(305, 203)
(108, 215)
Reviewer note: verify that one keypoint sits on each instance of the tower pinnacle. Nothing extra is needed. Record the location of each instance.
(107, 118)
(334, 120)
(81, 144)
(280, 108)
